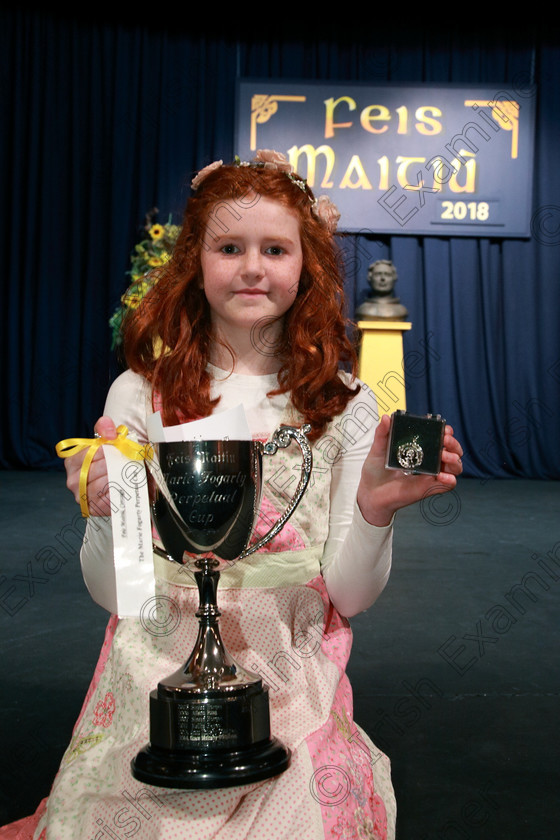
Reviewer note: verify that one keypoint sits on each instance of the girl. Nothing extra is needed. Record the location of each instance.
(249, 309)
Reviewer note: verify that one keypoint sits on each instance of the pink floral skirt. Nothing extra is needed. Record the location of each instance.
(337, 786)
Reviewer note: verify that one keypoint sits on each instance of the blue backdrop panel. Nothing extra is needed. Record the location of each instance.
(436, 160)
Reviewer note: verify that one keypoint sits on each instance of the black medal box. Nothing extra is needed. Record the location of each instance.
(415, 443)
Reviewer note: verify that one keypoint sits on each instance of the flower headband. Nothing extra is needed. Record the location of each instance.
(322, 207)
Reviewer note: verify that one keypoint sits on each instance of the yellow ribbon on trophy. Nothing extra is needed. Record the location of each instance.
(129, 448)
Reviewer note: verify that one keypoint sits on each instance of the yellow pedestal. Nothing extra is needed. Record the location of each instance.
(381, 362)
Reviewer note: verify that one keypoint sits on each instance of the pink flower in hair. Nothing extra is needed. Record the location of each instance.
(327, 212)
(198, 179)
(273, 160)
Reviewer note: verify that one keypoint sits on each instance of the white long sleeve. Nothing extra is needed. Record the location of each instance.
(357, 557)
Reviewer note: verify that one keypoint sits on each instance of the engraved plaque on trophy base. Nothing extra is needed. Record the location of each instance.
(216, 739)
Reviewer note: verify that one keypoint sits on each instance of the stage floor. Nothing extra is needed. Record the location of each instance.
(454, 670)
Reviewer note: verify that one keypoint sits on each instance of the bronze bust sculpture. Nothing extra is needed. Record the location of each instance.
(381, 304)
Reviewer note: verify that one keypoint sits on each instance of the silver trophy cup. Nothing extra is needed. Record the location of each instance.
(209, 721)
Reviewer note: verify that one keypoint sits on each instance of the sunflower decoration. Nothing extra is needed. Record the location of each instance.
(151, 253)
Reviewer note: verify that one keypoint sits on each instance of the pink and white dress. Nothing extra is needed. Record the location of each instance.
(278, 619)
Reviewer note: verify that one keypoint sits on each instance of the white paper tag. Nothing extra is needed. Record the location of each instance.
(132, 532)
(224, 425)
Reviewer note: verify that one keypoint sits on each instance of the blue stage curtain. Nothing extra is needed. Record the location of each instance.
(105, 119)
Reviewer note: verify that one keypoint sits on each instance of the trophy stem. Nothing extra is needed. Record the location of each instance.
(209, 664)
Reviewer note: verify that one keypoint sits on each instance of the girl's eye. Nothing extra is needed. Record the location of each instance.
(275, 250)
(229, 249)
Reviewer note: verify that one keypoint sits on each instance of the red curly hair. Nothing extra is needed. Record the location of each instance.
(176, 316)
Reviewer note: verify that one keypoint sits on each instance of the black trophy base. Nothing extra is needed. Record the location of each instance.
(209, 738)
(216, 769)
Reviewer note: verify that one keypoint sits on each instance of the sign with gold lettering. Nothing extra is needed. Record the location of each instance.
(439, 160)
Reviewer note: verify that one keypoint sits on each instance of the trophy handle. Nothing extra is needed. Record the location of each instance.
(282, 438)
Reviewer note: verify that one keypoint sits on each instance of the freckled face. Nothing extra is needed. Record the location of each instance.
(251, 271)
